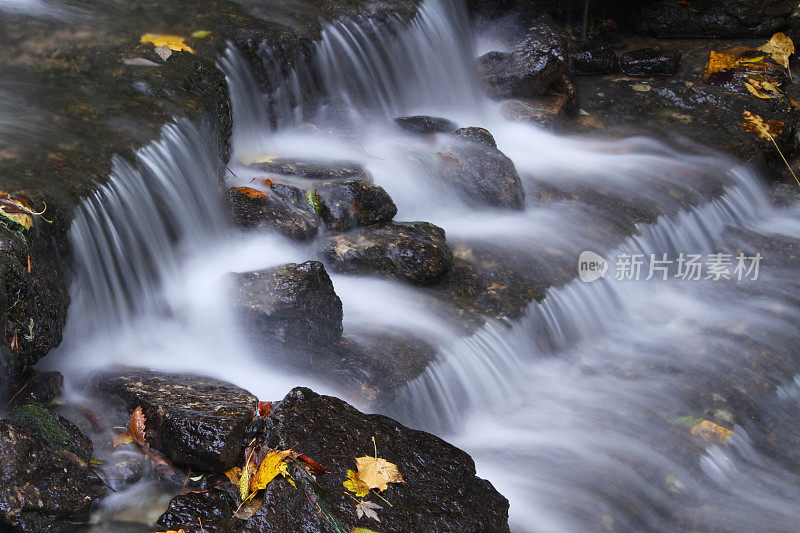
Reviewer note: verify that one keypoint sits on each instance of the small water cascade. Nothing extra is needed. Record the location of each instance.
(569, 410)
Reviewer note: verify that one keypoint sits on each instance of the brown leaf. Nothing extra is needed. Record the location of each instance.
(250, 192)
(767, 130)
(264, 409)
(136, 426)
(763, 89)
(779, 48)
(314, 467)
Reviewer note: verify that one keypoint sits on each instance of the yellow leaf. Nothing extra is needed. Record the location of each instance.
(720, 61)
(202, 34)
(269, 468)
(173, 531)
(377, 472)
(779, 48)
(763, 89)
(767, 130)
(123, 438)
(712, 432)
(353, 484)
(261, 159)
(173, 42)
(234, 474)
(244, 482)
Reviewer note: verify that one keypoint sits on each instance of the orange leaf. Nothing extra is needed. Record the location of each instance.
(252, 193)
(264, 408)
(315, 468)
(136, 426)
(767, 130)
(234, 474)
(712, 432)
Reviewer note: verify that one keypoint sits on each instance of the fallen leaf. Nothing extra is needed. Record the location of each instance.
(763, 89)
(315, 469)
(233, 474)
(261, 159)
(264, 408)
(244, 482)
(718, 61)
(136, 426)
(641, 87)
(202, 34)
(353, 484)
(779, 48)
(122, 438)
(15, 210)
(377, 472)
(173, 42)
(250, 192)
(361, 530)
(366, 508)
(249, 508)
(712, 432)
(172, 531)
(767, 130)
(268, 469)
(163, 52)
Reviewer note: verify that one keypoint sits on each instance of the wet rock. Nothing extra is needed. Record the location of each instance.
(537, 64)
(290, 304)
(314, 170)
(481, 174)
(594, 58)
(201, 512)
(414, 251)
(40, 489)
(784, 194)
(276, 210)
(42, 387)
(477, 135)
(714, 18)
(52, 429)
(349, 204)
(425, 125)
(334, 433)
(650, 62)
(547, 111)
(124, 468)
(195, 421)
(117, 526)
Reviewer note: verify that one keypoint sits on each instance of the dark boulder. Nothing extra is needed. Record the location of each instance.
(40, 489)
(52, 429)
(276, 210)
(481, 174)
(537, 64)
(650, 62)
(208, 511)
(352, 203)
(592, 58)
(414, 251)
(290, 304)
(425, 125)
(40, 387)
(440, 493)
(477, 135)
(195, 421)
(336, 171)
(714, 18)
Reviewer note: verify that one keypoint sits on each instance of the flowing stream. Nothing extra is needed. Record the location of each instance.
(572, 411)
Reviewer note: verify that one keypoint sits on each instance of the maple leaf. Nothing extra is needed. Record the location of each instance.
(173, 42)
(270, 467)
(712, 432)
(767, 130)
(366, 508)
(354, 484)
(377, 473)
(779, 48)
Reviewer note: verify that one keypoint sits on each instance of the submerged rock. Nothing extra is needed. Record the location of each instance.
(537, 64)
(291, 304)
(441, 491)
(40, 488)
(481, 174)
(352, 203)
(314, 170)
(650, 62)
(276, 210)
(415, 251)
(477, 135)
(425, 125)
(195, 421)
(201, 512)
(547, 111)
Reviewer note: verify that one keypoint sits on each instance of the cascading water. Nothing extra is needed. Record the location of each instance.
(570, 411)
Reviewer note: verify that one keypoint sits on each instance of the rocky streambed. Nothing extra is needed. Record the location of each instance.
(96, 94)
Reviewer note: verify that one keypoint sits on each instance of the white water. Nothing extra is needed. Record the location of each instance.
(569, 410)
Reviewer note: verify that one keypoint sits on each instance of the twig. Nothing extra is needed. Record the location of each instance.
(18, 392)
(771, 138)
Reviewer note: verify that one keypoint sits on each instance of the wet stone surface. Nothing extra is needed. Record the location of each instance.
(650, 62)
(194, 421)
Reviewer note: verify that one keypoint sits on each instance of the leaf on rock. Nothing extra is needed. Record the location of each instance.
(249, 508)
(712, 432)
(366, 508)
(763, 89)
(270, 467)
(15, 210)
(202, 34)
(264, 409)
(173, 42)
(136, 426)
(355, 485)
(173, 531)
(377, 472)
(779, 48)
(234, 474)
(767, 130)
(250, 192)
(314, 468)
(718, 61)
(244, 481)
